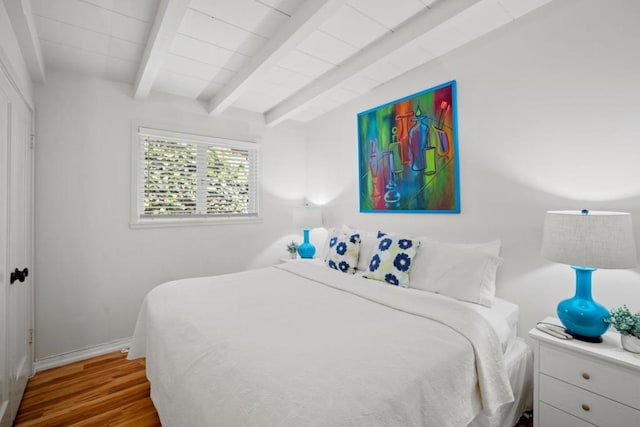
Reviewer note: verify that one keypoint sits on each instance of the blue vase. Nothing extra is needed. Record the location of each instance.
(306, 249)
(582, 317)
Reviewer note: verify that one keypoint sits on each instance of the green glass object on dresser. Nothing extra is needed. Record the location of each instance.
(582, 384)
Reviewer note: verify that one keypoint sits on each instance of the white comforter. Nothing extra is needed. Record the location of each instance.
(303, 345)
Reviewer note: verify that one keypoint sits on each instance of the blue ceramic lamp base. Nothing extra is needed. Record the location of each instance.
(582, 317)
(306, 249)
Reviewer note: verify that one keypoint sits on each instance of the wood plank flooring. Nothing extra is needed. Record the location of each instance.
(106, 390)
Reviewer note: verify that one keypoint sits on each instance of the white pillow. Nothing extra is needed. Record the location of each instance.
(392, 259)
(368, 245)
(466, 272)
(322, 251)
(343, 249)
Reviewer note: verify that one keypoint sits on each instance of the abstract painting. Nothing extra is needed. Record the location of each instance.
(408, 154)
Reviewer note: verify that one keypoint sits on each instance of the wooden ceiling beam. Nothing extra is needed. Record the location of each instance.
(306, 19)
(414, 27)
(165, 26)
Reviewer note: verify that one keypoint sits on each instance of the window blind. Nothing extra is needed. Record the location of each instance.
(182, 176)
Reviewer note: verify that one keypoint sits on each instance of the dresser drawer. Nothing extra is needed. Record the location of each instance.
(588, 406)
(552, 417)
(591, 374)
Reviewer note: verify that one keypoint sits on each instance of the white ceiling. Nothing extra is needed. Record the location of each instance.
(286, 59)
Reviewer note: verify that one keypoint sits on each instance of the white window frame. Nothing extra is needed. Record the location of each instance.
(139, 220)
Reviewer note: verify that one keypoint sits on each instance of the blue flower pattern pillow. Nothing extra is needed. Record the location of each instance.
(392, 260)
(343, 252)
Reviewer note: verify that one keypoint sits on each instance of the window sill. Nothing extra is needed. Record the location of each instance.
(190, 222)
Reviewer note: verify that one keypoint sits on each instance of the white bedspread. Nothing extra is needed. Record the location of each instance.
(302, 345)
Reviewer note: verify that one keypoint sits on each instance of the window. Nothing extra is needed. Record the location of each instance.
(192, 178)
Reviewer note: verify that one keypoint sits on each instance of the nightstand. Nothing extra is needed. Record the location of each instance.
(580, 384)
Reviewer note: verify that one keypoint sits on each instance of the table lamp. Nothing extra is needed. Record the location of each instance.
(307, 217)
(587, 240)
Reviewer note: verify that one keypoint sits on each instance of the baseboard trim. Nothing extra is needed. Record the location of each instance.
(82, 354)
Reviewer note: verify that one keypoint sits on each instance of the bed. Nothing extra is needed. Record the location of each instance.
(300, 344)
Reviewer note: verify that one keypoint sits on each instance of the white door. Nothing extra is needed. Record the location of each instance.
(20, 254)
(17, 224)
(5, 413)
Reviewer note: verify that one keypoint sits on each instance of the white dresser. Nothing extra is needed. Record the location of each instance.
(580, 384)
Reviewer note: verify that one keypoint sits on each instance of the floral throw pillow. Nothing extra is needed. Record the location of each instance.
(343, 252)
(392, 260)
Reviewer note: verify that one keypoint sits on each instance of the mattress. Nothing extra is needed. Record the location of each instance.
(300, 344)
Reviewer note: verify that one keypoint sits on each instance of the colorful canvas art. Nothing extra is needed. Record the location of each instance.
(408, 154)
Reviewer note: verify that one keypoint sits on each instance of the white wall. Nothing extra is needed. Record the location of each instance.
(548, 119)
(548, 113)
(93, 270)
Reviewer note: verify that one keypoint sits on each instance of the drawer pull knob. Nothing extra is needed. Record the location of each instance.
(586, 376)
(585, 407)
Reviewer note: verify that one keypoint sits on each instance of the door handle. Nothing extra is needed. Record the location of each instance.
(18, 275)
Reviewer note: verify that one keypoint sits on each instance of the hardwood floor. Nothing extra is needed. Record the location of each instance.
(106, 390)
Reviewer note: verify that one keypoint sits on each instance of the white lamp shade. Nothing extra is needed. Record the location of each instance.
(307, 216)
(597, 239)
